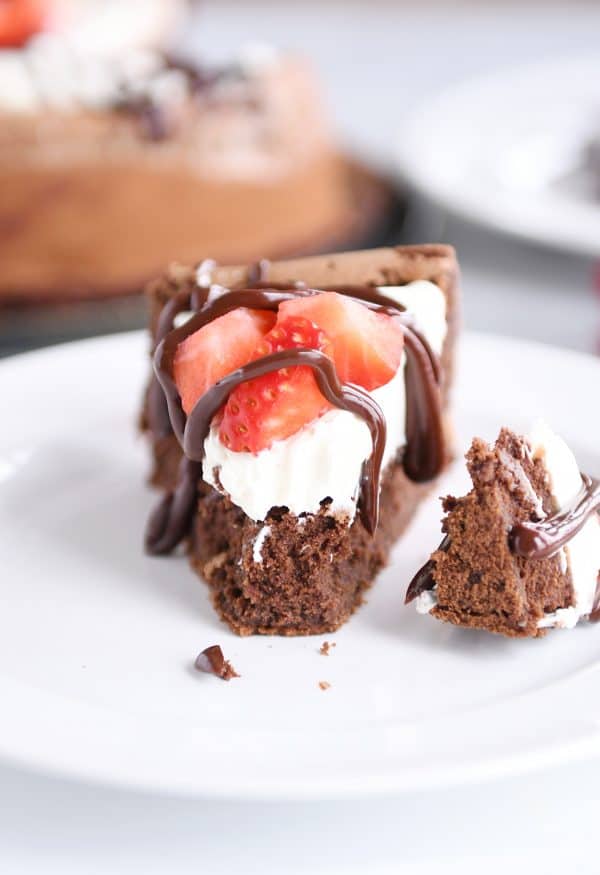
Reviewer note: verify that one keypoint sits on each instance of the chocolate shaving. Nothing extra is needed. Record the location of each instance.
(212, 661)
(152, 115)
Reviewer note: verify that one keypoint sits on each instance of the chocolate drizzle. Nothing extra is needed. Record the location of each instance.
(170, 520)
(423, 579)
(152, 115)
(424, 454)
(543, 539)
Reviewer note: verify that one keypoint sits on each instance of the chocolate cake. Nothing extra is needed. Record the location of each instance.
(113, 166)
(292, 466)
(521, 552)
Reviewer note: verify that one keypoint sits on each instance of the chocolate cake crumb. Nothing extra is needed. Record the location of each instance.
(212, 661)
(326, 647)
(324, 685)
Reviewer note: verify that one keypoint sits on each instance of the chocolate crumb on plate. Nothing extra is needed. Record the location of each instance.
(212, 661)
(324, 685)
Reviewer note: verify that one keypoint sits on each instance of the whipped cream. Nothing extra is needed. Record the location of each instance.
(258, 544)
(53, 72)
(57, 71)
(324, 459)
(425, 601)
(582, 553)
(106, 27)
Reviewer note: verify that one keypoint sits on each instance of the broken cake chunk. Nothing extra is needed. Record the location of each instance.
(521, 552)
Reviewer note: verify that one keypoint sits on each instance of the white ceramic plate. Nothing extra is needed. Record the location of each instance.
(508, 151)
(97, 640)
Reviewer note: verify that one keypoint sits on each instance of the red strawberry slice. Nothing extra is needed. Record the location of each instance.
(367, 346)
(275, 406)
(218, 349)
(19, 20)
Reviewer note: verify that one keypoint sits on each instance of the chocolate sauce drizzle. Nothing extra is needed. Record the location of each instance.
(423, 579)
(424, 454)
(540, 540)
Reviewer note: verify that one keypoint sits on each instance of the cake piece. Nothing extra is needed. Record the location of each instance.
(298, 419)
(112, 166)
(521, 552)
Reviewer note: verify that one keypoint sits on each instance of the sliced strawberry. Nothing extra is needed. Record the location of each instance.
(20, 20)
(217, 349)
(275, 406)
(367, 346)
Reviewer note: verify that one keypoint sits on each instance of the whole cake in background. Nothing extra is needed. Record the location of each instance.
(113, 165)
(298, 415)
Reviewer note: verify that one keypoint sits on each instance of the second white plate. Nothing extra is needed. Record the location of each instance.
(508, 151)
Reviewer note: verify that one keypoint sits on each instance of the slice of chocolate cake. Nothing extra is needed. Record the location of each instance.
(297, 418)
(521, 551)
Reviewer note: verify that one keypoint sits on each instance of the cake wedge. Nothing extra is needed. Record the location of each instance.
(297, 416)
(521, 551)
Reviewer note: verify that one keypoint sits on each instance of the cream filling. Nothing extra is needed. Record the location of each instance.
(324, 459)
(260, 539)
(582, 553)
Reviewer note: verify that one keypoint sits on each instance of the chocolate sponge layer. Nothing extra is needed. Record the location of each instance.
(311, 572)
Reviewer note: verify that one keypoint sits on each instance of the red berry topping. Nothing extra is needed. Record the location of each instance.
(367, 346)
(20, 20)
(217, 349)
(275, 406)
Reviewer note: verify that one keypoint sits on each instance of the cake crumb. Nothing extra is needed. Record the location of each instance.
(326, 647)
(324, 685)
(212, 661)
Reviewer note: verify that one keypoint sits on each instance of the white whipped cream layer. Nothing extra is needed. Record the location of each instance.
(582, 553)
(324, 459)
(57, 71)
(258, 544)
(425, 601)
(53, 72)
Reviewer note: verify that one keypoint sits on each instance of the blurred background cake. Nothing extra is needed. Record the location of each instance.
(112, 169)
(116, 159)
(486, 150)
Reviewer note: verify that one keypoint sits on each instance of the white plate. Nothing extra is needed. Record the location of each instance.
(508, 151)
(97, 640)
